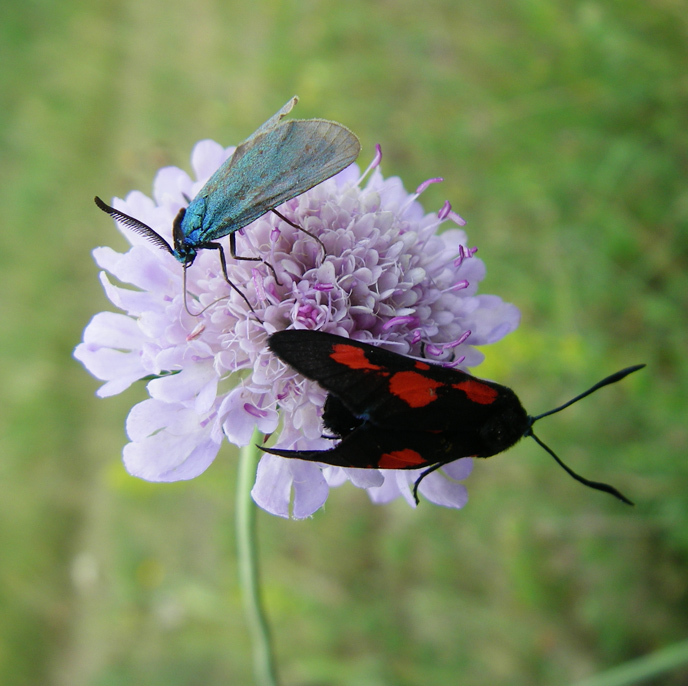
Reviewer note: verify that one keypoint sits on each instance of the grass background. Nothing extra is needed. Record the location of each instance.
(561, 130)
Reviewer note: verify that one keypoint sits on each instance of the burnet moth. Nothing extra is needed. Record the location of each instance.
(395, 412)
(277, 162)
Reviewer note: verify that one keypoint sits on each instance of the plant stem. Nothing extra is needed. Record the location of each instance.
(263, 660)
(643, 668)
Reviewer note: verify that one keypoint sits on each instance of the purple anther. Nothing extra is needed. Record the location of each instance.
(425, 184)
(378, 156)
(457, 219)
(255, 411)
(259, 284)
(464, 253)
(198, 330)
(458, 286)
(455, 344)
(394, 321)
(445, 211)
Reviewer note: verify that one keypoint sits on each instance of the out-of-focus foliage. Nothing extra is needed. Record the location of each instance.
(560, 128)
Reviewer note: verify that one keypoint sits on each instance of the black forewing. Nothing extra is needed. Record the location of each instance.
(361, 390)
(366, 393)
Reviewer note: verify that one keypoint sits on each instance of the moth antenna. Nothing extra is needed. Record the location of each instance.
(597, 485)
(135, 225)
(613, 378)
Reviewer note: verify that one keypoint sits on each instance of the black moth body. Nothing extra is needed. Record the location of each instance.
(389, 411)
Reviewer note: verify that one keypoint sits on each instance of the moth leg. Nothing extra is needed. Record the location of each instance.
(232, 252)
(430, 470)
(223, 262)
(300, 228)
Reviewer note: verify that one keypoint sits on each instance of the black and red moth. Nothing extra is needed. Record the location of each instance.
(396, 412)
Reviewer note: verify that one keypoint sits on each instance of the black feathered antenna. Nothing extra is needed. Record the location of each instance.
(613, 378)
(135, 225)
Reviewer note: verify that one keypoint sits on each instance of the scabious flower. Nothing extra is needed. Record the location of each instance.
(387, 277)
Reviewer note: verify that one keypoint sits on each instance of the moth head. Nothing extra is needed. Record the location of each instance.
(504, 428)
(183, 251)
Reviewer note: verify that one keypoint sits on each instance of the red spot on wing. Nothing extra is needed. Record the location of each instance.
(401, 459)
(352, 357)
(422, 365)
(413, 388)
(477, 391)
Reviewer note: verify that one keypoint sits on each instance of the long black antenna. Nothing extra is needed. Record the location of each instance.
(586, 482)
(597, 485)
(613, 378)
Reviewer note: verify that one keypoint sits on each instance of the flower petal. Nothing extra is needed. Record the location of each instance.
(459, 469)
(387, 277)
(169, 442)
(272, 489)
(442, 491)
(310, 488)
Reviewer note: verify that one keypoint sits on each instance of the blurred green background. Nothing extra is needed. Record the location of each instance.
(561, 129)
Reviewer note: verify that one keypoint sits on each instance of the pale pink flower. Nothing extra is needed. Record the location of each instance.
(388, 277)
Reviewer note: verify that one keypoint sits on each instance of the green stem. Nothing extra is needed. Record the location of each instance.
(263, 660)
(643, 668)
